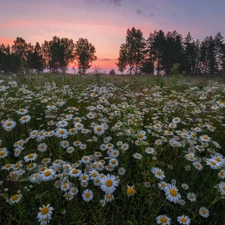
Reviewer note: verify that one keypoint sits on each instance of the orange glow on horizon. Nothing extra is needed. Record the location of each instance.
(6, 41)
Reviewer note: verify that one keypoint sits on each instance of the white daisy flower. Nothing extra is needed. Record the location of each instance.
(204, 212)
(87, 195)
(109, 183)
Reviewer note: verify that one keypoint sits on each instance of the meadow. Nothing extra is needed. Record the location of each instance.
(97, 150)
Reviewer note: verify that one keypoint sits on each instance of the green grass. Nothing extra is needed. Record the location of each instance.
(138, 111)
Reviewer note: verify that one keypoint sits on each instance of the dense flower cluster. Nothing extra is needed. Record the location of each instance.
(85, 142)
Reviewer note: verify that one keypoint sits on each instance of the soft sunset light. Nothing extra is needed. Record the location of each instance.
(104, 22)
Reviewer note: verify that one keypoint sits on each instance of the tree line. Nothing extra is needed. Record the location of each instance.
(54, 55)
(161, 51)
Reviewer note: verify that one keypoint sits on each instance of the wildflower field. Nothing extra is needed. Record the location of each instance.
(110, 150)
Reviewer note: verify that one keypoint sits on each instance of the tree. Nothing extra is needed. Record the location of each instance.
(22, 49)
(58, 53)
(36, 59)
(84, 54)
(155, 49)
(132, 52)
(122, 60)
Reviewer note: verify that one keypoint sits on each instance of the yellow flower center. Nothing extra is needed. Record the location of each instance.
(213, 163)
(203, 211)
(99, 129)
(183, 220)
(159, 173)
(48, 173)
(61, 132)
(173, 192)
(30, 156)
(15, 197)
(2, 153)
(130, 191)
(9, 124)
(44, 210)
(108, 183)
(24, 118)
(163, 220)
(218, 159)
(8, 165)
(74, 171)
(87, 195)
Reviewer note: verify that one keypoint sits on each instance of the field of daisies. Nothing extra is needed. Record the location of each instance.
(108, 150)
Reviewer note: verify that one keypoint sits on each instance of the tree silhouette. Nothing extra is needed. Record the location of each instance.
(84, 54)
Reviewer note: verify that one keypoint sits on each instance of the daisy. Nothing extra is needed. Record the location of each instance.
(73, 131)
(68, 196)
(103, 202)
(185, 220)
(84, 177)
(15, 198)
(150, 150)
(64, 144)
(176, 120)
(45, 213)
(61, 133)
(205, 138)
(35, 178)
(192, 197)
(172, 193)
(8, 125)
(221, 174)
(41, 135)
(31, 157)
(99, 130)
(130, 190)
(62, 123)
(162, 185)
(121, 171)
(172, 125)
(78, 126)
(70, 149)
(47, 174)
(77, 143)
(113, 162)
(109, 197)
(204, 212)
(65, 186)
(114, 153)
(87, 195)
(214, 164)
(22, 111)
(85, 159)
(163, 219)
(83, 146)
(185, 186)
(159, 174)
(109, 183)
(137, 156)
(42, 147)
(25, 119)
(3, 152)
(222, 187)
(198, 166)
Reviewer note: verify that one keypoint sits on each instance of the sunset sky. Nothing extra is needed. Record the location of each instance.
(104, 22)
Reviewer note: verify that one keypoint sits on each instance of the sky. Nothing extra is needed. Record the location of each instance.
(105, 22)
